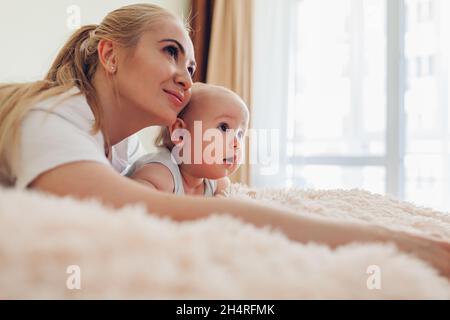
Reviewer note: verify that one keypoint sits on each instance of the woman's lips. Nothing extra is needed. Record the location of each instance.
(176, 98)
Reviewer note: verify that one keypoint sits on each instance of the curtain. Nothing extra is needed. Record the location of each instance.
(202, 14)
(230, 58)
(274, 25)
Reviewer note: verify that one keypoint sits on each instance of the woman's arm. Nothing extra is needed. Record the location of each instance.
(95, 180)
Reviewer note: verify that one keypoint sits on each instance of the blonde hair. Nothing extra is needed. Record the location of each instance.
(75, 66)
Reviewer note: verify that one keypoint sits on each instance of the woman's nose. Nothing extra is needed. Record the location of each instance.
(184, 79)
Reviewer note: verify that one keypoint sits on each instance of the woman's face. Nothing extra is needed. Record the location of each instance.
(155, 78)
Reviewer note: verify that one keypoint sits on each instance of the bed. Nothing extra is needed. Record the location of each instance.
(67, 249)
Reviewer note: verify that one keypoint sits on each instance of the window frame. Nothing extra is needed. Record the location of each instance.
(394, 158)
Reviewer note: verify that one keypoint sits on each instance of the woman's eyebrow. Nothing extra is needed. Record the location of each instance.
(180, 46)
(176, 42)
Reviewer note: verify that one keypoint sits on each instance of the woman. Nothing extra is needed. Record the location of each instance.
(70, 132)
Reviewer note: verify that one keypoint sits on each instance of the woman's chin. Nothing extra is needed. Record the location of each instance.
(167, 119)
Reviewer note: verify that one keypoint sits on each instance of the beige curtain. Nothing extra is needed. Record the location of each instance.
(230, 57)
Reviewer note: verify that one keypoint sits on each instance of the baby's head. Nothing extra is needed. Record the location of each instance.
(212, 129)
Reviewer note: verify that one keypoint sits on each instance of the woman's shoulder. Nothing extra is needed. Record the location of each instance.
(70, 106)
(66, 117)
(55, 132)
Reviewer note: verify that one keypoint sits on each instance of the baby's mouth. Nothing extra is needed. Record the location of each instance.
(229, 160)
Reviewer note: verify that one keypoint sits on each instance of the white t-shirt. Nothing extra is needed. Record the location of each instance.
(57, 131)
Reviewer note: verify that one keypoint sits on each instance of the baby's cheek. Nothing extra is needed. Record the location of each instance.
(211, 153)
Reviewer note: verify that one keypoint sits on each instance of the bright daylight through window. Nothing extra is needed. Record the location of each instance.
(362, 116)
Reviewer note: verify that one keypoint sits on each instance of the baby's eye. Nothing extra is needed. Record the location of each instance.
(172, 51)
(223, 127)
(240, 134)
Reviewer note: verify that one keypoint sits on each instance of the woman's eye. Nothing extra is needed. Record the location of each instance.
(172, 51)
(191, 71)
(223, 127)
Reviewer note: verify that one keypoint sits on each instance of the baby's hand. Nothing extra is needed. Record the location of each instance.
(220, 195)
(252, 194)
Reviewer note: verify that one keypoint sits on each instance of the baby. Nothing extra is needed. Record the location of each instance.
(201, 149)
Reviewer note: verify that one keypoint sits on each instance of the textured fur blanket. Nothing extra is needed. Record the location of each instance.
(62, 248)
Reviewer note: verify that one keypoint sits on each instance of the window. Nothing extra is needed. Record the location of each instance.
(337, 116)
(426, 103)
(358, 114)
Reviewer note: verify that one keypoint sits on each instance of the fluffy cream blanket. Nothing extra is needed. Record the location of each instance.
(130, 254)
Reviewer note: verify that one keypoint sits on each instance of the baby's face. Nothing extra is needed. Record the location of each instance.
(224, 122)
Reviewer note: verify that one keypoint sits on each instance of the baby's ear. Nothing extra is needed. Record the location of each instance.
(177, 127)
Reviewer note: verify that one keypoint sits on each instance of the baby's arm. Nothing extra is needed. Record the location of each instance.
(222, 186)
(156, 176)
